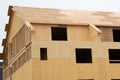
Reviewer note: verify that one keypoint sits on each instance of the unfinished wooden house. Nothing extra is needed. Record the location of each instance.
(54, 44)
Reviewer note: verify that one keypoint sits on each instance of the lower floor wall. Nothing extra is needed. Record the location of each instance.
(61, 61)
(68, 69)
(23, 73)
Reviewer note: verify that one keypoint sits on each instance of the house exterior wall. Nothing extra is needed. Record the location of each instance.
(75, 33)
(15, 23)
(23, 52)
(61, 63)
(24, 72)
(18, 50)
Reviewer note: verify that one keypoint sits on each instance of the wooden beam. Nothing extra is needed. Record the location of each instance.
(1, 56)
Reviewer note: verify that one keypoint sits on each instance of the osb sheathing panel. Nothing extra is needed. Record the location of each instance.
(6, 73)
(113, 70)
(61, 63)
(41, 33)
(74, 33)
(18, 43)
(61, 16)
(56, 71)
(15, 24)
(94, 36)
(8, 78)
(24, 72)
(78, 33)
(107, 33)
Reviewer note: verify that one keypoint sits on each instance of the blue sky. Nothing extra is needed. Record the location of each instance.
(92, 5)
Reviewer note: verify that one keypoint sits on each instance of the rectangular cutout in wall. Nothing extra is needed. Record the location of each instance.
(83, 55)
(43, 53)
(116, 35)
(114, 55)
(59, 33)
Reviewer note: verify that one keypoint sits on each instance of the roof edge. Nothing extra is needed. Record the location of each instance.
(3, 42)
(10, 10)
(100, 25)
(1, 56)
(77, 24)
(7, 26)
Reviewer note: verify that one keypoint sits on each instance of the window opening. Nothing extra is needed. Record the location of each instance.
(114, 55)
(43, 53)
(59, 33)
(83, 56)
(116, 35)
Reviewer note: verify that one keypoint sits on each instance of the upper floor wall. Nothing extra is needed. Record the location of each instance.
(109, 34)
(65, 33)
(80, 33)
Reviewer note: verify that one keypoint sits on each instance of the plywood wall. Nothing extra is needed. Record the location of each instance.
(15, 24)
(24, 72)
(18, 52)
(61, 63)
(74, 33)
(107, 33)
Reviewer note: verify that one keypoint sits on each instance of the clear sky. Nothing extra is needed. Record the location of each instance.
(92, 5)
